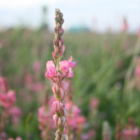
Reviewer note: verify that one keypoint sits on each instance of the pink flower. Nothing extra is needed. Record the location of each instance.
(66, 68)
(15, 111)
(94, 102)
(137, 70)
(7, 100)
(52, 73)
(76, 111)
(88, 135)
(36, 66)
(136, 132)
(18, 138)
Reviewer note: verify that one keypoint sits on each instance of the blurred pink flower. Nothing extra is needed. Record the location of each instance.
(137, 70)
(94, 102)
(15, 111)
(131, 132)
(75, 120)
(18, 138)
(139, 33)
(89, 135)
(28, 79)
(36, 87)
(7, 100)
(3, 85)
(36, 66)
(125, 25)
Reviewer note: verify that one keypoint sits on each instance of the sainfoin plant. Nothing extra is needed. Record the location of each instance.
(57, 72)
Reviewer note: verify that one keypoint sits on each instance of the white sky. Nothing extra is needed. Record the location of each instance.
(101, 14)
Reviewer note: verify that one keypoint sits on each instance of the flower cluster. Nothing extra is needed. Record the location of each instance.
(7, 100)
(45, 115)
(75, 121)
(130, 132)
(18, 138)
(57, 73)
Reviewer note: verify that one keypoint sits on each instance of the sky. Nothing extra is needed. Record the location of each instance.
(95, 14)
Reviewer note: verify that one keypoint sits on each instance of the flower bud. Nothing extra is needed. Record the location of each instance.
(61, 14)
(55, 29)
(61, 122)
(58, 25)
(62, 21)
(62, 50)
(61, 42)
(57, 18)
(55, 42)
(57, 12)
(61, 31)
(64, 137)
(58, 107)
(58, 135)
(55, 57)
(55, 119)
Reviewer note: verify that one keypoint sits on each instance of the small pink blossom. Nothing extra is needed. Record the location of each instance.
(52, 73)
(15, 111)
(137, 70)
(94, 102)
(8, 99)
(66, 68)
(37, 66)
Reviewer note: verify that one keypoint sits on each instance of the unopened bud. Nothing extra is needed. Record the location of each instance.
(58, 135)
(62, 50)
(57, 12)
(58, 107)
(61, 14)
(64, 137)
(61, 31)
(55, 42)
(61, 122)
(55, 29)
(55, 118)
(62, 21)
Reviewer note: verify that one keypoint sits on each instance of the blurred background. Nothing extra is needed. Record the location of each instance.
(103, 36)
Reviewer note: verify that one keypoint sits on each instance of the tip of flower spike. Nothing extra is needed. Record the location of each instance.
(57, 11)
